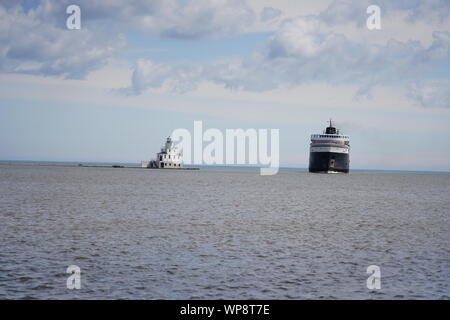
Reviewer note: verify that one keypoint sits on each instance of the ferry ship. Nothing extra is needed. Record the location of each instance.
(329, 152)
(168, 158)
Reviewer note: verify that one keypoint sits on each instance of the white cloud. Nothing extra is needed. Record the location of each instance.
(180, 19)
(30, 45)
(37, 41)
(431, 94)
(148, 74)
(269, 14)
(344, 11)
(302, 51)
(301, 37)
(432, 11)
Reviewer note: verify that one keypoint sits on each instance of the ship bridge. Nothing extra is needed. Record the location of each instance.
(330, 135)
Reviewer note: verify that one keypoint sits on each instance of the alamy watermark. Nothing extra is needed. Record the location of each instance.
(235, 147)
(374, 20)
(74, 280)
(73, 22)
(374, 280)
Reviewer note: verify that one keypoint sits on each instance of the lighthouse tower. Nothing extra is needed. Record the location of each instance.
(168, 158)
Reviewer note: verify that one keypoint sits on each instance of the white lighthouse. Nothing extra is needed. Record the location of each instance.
(168, 158)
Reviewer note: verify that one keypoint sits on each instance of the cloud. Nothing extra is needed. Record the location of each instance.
(148, 74)
(431, 93)
(345, 11)
(302, 51)
(354, 11)
(35, 40)
(30, 45)
(269, 14)
(430, 11)
(179, 19)
(301, 37)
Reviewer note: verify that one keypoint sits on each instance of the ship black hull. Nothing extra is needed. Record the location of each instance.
(329, 162)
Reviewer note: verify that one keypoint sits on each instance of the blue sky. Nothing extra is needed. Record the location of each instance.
(137, 70)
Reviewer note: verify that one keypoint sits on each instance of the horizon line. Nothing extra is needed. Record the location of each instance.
(203, 165)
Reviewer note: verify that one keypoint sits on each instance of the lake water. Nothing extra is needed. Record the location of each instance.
(222, 234)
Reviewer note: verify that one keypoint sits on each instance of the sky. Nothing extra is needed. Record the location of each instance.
(113, 90)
